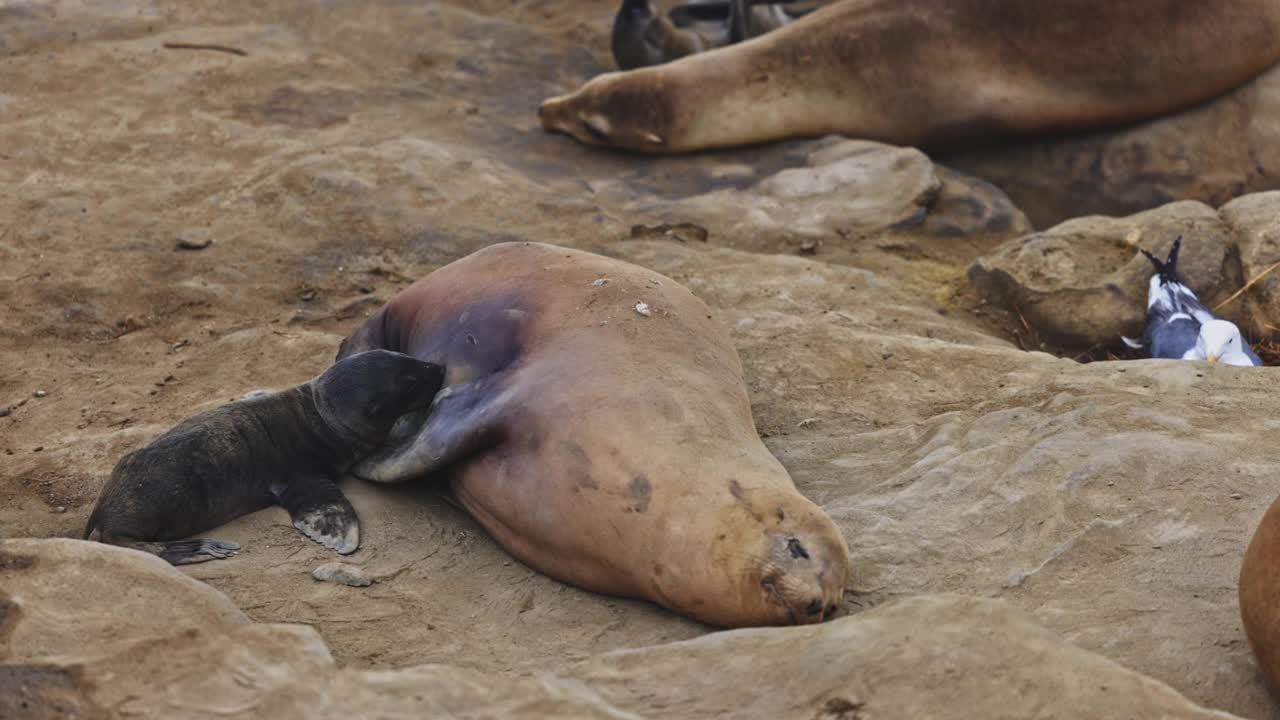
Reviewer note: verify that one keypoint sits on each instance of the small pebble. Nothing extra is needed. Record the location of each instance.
(38, 448)
(194, 239)
(342, 573)
(807, 422)
(642, 308)
(1236, 496)
(60, 509)
(40, 393)
(4, 412)
(600, 282)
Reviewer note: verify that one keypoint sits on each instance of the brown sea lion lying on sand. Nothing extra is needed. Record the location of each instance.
(595, 421)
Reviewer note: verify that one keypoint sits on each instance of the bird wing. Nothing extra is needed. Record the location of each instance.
(1180, 299)
(1171, 336)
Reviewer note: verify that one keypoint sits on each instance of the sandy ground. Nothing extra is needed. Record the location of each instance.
(355, 146)
(113, 147)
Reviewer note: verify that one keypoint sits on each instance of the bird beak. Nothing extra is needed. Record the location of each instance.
(1212, 358)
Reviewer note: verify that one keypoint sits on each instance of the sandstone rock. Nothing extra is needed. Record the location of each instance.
(1256, 222)
(1211, 153)
(68, 597)
(1083, 283)
(360, 145)
(343, 574)
(285, 671)
(944, 656)
(847, 192)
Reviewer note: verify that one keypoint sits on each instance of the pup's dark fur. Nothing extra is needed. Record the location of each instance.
(283, 448)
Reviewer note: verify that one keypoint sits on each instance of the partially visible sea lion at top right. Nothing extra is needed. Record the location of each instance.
(643, 36)
(927, 72)
(1259, 595)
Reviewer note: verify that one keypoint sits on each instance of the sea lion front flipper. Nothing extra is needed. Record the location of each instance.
(463, 419)
(182, 552)
(320, 511)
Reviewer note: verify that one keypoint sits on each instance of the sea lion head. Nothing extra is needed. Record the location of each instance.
(626, 110)
(787, 559)
(364, 394)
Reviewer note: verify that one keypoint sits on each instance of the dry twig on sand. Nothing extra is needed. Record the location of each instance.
(204, 46)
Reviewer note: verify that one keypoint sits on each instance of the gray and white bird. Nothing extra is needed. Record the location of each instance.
(1181, 328)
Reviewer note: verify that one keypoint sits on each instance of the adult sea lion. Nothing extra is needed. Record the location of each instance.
(279, 448)
(1259, 590)
(596, 423)
(923, 72)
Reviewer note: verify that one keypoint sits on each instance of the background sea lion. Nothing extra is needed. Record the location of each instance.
(596, 423)
(643, 36)
(280, 448)
(922, 72)
(1259, 590)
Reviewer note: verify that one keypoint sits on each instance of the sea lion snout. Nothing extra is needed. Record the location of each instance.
(602, 112)
(560, 114)
(806, 575)
(787, 559)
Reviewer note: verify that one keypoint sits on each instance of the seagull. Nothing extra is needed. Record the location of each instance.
(1181, 328)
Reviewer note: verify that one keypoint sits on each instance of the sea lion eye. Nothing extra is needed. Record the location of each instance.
(797, 550)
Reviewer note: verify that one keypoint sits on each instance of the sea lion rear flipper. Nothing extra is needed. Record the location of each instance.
(182, 552)
(320, 511)
(463, 419)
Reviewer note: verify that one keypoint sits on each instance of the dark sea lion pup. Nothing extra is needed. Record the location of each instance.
(281, 448)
